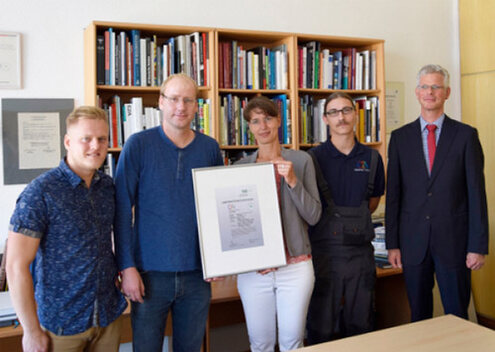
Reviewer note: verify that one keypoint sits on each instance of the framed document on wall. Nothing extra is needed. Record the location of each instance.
(33, 137)
(238, 216)
(10, 60)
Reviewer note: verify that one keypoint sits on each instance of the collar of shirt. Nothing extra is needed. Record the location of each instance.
(438, 122)
(356, 150)
(72, 177)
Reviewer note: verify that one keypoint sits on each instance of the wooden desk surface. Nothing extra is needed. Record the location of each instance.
(226, 290)
(447, 333)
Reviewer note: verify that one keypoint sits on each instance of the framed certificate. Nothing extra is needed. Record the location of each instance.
(10, 60)
(238, 215)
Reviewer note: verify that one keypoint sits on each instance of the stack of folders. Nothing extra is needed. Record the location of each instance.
(7, 313)
(381, 254)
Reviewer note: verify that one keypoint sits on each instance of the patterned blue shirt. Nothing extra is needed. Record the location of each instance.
(74, 270)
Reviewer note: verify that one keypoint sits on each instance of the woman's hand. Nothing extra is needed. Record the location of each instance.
(286, 169)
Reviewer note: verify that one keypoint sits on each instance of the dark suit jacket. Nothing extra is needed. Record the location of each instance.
(446, 212)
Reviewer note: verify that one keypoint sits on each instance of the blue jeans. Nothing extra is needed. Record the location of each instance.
(187, 294)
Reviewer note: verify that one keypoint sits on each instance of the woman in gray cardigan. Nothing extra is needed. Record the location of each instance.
(279, 297)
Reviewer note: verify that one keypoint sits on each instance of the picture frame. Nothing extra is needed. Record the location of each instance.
(32, 136)
(238, 216)
(10, 60)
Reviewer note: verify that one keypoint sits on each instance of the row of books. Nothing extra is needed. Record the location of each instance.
(256, 68)
(314, 130)
(128, 118)
(230, 157)
(234, 130)
(127, 59)
(342, 69)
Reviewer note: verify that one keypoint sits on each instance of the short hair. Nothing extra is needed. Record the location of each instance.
(85, 112)
(261, 103)
(427, 69)
(183, 76)
(338, 95)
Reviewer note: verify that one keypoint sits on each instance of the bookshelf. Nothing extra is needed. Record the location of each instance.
(99, 93)
(229, 78)
(352, 46)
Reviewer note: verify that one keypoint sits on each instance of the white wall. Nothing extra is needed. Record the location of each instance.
(415, 32)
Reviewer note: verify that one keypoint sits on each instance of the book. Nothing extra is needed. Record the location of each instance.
(117, 72)
(373, 69)
(142, 61)
(109, 165)
(136, 54)
(361, 107)
(100, 59)
(204, 65)
(3, 265)
(366, 69)
(382, 263)
(112, 57)
(106, 36)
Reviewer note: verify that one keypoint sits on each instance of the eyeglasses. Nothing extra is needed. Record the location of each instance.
(334, 112)
(177, 100)
(433, 87)
(266, 119)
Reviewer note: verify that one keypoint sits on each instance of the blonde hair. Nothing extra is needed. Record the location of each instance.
(183, 76)
(85, 112)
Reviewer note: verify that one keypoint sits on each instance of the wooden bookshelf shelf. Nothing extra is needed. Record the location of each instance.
(218, 87)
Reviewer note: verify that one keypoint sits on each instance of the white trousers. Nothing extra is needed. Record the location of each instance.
(279, 297)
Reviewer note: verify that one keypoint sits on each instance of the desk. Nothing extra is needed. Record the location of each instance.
(391, 302)
(442, 334)
(226, 309)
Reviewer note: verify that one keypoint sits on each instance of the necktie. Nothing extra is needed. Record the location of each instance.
(432, 145)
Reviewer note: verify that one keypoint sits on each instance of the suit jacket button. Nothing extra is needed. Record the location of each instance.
(430, 194)
(427, 217)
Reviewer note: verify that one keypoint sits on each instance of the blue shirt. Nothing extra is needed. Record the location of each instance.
(75, 268)
(424, 136)
(347, 175)
(154, 176)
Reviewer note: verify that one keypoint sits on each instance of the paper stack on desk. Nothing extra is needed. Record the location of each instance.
(7, 312)
(381, 253)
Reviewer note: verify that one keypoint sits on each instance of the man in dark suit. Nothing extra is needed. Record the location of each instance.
(436, 213)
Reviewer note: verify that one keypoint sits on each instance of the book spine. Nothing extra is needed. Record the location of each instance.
(149, 54)
(136, 57)
(204, 82)
(221, 68)
(107, 57)
(122, 58)
(100, 59)
(112, 56)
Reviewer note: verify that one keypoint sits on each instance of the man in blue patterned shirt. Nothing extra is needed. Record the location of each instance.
(63, 223)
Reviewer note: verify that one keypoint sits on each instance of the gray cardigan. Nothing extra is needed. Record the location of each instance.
(301, 204)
